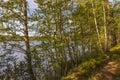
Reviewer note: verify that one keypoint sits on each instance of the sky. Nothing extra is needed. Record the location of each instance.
(32, 4)
(110, 0)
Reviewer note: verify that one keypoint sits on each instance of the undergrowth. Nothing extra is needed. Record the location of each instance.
(92, 63)
(89, 64)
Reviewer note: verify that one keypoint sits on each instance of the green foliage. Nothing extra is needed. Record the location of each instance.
(67, 33)
(115, 48)
(88, 66)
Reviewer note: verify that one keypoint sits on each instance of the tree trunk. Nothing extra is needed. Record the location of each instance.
(105, 28)
(96, 25)
(27, 43)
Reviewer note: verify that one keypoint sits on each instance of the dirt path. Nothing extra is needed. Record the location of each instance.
(110, 72)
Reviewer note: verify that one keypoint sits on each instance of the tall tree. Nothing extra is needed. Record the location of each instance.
(27, 43)
(105, 24)
(96, 24)
(19, 9)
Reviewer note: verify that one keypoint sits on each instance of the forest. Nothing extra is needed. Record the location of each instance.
(60, 40)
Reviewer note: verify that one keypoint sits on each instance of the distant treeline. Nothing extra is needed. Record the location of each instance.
(20, 38)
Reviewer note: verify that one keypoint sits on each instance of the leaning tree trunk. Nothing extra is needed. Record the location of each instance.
(27, 43)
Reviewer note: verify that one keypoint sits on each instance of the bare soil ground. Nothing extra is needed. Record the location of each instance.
(111, 71)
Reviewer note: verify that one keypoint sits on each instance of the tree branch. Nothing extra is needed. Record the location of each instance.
(15, 13)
